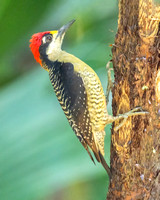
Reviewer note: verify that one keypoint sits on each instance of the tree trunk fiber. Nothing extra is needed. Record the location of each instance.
(135, 147)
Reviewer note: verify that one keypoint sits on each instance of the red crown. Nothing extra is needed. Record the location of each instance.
(36, 41)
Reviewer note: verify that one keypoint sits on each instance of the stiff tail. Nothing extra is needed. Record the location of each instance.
(98, 155)
(101, 159)
(86, 147)
(90, 155)
(105, 165)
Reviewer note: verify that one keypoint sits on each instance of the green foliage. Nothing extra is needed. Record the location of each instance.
(40, 156)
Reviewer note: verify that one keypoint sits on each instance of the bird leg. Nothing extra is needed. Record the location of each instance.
(110, 83)
(124, 117)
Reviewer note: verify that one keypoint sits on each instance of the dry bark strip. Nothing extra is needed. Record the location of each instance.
(135, 148)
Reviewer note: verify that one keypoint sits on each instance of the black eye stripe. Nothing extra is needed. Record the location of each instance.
(48, 38)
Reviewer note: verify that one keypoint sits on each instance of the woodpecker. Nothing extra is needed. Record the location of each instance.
(78, 89)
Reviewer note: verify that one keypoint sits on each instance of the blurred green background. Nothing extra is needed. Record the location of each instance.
(40, 157)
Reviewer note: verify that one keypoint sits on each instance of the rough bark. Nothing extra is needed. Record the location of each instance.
(135, 148)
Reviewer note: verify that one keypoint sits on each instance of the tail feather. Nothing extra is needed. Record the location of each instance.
(105, 165)
(98, 155)
(90, 155)
(101, 159)
(86, 148)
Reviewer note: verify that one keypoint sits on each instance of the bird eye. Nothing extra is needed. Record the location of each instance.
(47, 39)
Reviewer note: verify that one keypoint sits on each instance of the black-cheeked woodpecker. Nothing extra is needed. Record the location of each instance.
(78, 89)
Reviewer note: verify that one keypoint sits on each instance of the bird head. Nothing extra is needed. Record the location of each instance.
(49, 42)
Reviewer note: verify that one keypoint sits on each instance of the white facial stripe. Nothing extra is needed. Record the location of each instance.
(44, 40)
(54, 46)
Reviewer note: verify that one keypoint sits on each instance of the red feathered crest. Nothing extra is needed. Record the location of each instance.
(35, 44)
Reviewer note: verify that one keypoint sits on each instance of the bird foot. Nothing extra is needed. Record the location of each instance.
(124, 117)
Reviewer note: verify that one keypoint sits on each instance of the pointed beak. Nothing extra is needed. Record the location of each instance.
(64, 28)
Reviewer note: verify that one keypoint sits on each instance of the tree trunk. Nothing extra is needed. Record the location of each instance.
(135, 148)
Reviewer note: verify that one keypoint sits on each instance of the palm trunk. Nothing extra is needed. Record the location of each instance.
(135, 148)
